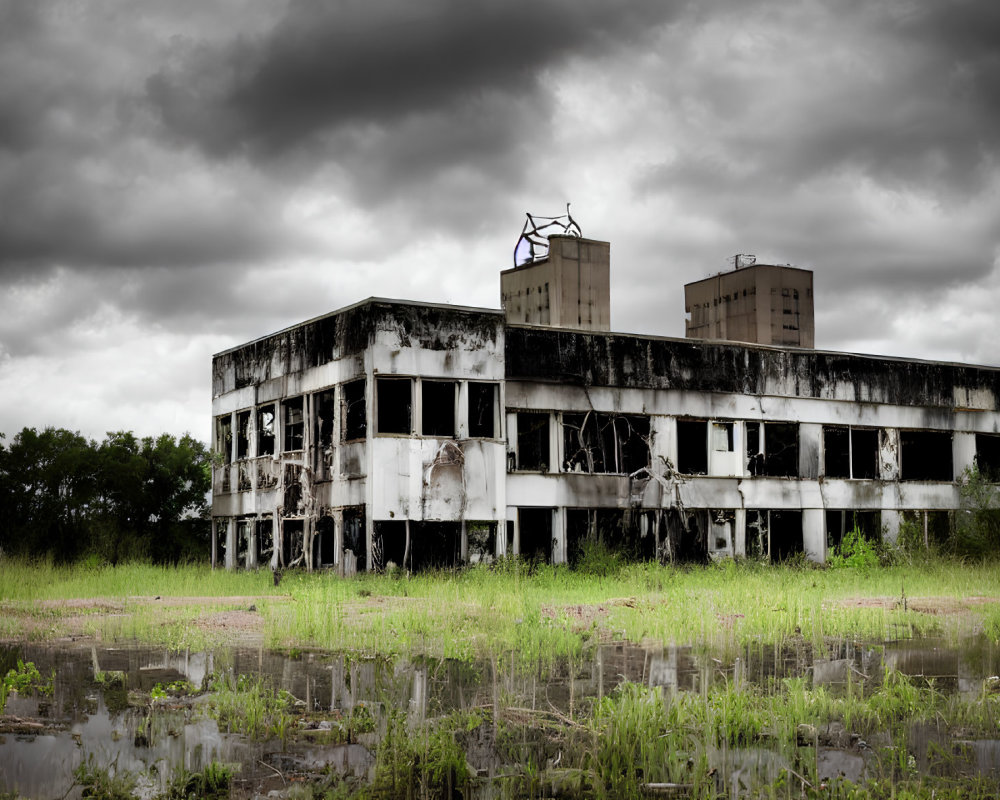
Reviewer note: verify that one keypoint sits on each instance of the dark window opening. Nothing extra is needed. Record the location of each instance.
(325, 405)
(242, 434)
(509, 531)
(841, 522)
(773, 449)
(933, 527)
(292, 542)
(605, 443)
(294, 424)
(292, 500)
(773, 535)
(224, 438)
(435, 545)
(389, 545)
(925, 456)
(221, 532)
(988, 456)
(482, 410)
(243, 529)
(438, 408)
(354, 411)
(692, 446)
(864, 453)
(482, 542)
(535, 528)
(265, 541)
(324, 543)
(621, 531)
(394, 405)
(265, 430)
(354, 536)
(532, 441)
(836, 452)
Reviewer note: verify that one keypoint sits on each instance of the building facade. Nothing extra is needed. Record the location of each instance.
(396, 433)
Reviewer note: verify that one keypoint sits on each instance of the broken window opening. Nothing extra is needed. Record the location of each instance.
(925, 456)
(836, 452)
(354, 410)
(988, 456)
(292, 542)
(932, 525)
(243, 434)
(605, 443)
(692, 446)
(244, 476)
(293, 500)
(840, 522)
(483, 410)
(773, 449)
(394, 405)
(325, 405)
(482, 541)
(435, 545)
(850, 452)
(324, 543)
(864, 453)
(437, 413)
(535, 534)
(224, 438)
(243, 542)
(623, 532)
(390, 545)
(355, 548)
(265, 541)
(533, 440)
(292, 412)
(773, 535)
(221, 534)
(265, 430)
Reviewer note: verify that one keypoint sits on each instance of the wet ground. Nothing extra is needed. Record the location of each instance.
(107, 706)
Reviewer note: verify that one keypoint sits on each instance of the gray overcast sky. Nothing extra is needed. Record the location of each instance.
(180, 177)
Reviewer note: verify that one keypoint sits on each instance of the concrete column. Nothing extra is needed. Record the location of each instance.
(890, 526)
(888, 454)
(740, 533)
(963, 453)
(338, 540)
(462, 410)
(215, 547)
(230, 543)
(559, 536)
(814, 534)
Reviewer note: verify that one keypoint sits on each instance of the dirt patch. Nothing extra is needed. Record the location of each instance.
(245, 627)
(924, 605)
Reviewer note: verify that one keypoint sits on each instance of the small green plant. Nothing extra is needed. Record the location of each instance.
(104, 783)
(247, 704)
(24, 679)
(856, 551)
(212, 783)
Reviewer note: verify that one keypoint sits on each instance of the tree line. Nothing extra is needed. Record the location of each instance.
(64, 496)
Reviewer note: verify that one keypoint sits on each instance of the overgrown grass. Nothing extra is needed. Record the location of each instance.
(541, 613)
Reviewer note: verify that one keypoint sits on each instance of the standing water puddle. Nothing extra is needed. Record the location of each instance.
(108, 707)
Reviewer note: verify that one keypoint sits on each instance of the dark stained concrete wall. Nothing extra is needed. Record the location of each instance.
(619, 360)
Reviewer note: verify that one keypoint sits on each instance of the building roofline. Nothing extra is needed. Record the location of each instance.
(747, 268)
(368, 301)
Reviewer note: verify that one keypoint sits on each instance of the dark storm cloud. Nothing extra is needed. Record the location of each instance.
(366, 67)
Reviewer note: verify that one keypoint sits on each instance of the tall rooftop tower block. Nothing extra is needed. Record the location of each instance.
(760, 303)
(570, 288)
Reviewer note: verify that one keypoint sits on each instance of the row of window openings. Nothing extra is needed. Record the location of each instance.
(620, 444)
(394, 404)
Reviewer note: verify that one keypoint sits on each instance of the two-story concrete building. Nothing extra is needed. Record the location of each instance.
(393, 432)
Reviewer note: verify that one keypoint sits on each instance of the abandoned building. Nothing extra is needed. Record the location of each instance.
(399, 433)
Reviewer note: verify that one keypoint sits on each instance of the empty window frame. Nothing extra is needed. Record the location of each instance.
(437, 409)
(355, 413)
(850, 452)
(224, 438)
(988, 456)
(773, 535)
(840, 522)
(925, 456)
(773, 449)
(394, 405)
(294, 422)
(324, 403)
(533, 440)
(243, 434)
(605, 443)
(265, 430)
(692, 446)
(483, 405)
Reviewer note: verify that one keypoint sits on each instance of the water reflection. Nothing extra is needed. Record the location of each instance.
(114, 723)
